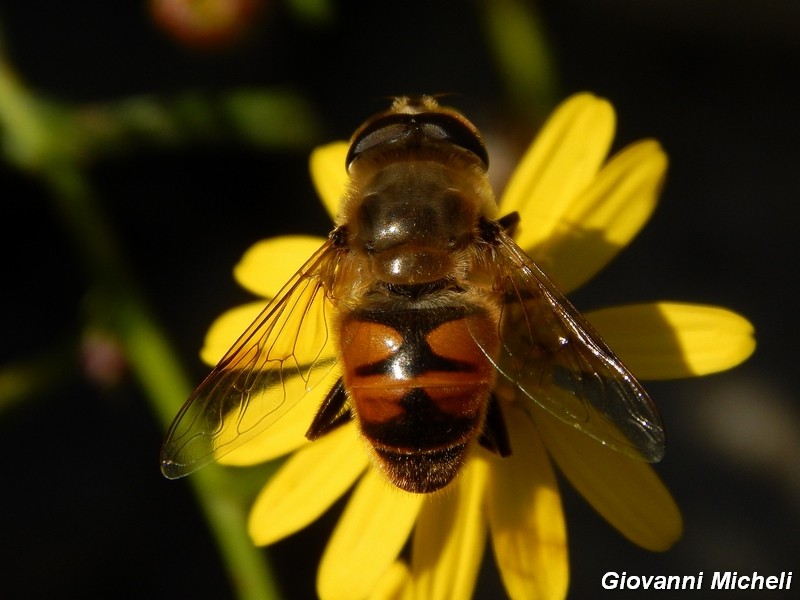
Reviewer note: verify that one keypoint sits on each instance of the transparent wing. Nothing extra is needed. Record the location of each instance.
(281, 356)
(550, 354)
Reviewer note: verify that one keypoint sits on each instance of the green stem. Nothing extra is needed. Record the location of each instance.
(31, 144)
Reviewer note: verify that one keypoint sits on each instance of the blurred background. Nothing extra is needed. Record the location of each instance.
(192, 140)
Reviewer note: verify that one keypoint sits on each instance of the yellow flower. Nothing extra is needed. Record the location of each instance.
(577, 211)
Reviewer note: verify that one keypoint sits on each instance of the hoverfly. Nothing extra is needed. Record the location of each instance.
(417, 311)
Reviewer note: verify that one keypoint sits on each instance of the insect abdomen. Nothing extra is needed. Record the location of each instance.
(419, 382)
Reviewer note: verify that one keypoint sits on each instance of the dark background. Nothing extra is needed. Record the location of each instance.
(84, 510)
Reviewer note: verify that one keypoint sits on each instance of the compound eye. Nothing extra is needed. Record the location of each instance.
(408, 130)
(454, 130)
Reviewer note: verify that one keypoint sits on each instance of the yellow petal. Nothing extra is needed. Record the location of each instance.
(563, 160)
(666, 340)
(329, 174)
(226, 329)
(626, 492)
(307, 484)
(369, 536)
(394, 584)
(450, 537)
(270, 263)
(525, 517)
(605, 217)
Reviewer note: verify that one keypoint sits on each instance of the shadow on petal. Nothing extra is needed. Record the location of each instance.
(605, 217)
(574, 255)
(626, 492)
(667, 340)
(560, 163)
(450, 536)
(526, 520)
